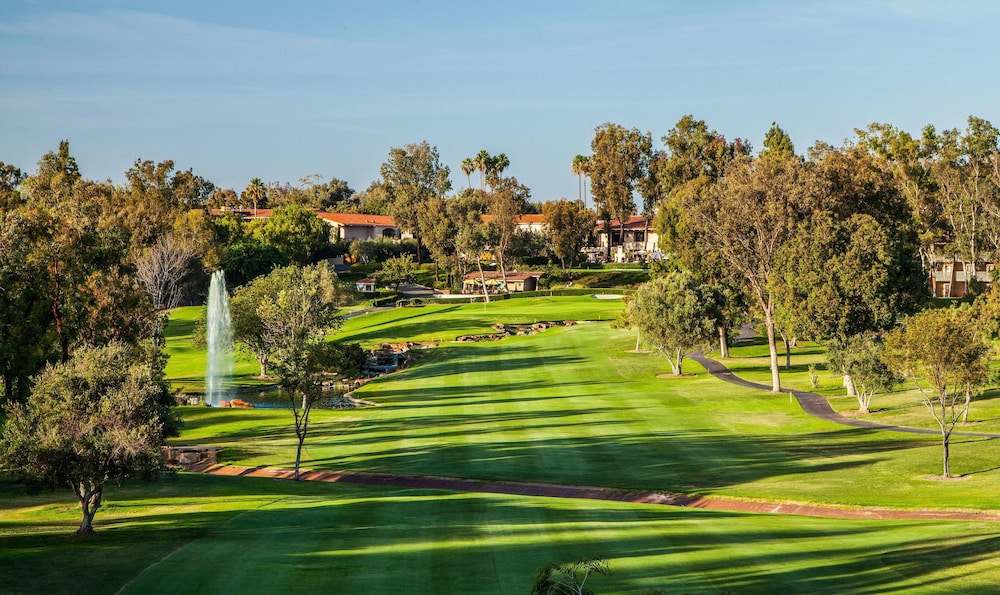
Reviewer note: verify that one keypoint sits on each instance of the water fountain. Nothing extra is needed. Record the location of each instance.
(219, 336)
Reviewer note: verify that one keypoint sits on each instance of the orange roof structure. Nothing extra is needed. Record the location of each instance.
(633, 222)
(346, 219)
(358, 219)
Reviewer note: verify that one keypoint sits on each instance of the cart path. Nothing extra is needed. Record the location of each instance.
(816, 405)
(457, 484)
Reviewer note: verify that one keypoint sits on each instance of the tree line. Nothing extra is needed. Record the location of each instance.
(834, 246)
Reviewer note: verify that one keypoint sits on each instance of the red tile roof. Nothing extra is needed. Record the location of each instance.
(355, 219)
(633, 222)
(358, 219)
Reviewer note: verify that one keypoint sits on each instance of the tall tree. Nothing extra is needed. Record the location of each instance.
(619, 162)
(506, 201)
(413, 175)
(854, 265)
(190, 190)
(298, 318)
(54, 180)
(439, 234)
(255, 194)
(911, 160)
(482, 163)
(96, 418)
(295, 231)
(468, 166)
(970, 199)
(25, 312)
(568, 225)
(10, 181)
(579, 164)
(696, 157)
(160, 270)
(471, 234)
(496, 166)
(944, 354)
(777, 144)
(746, 217)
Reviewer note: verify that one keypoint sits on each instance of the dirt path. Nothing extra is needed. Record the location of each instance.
(598, 493)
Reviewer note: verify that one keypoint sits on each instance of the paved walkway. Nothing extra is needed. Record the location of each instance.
(816, 405)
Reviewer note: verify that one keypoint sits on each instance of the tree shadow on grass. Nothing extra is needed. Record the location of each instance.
(336, 538)
(625, 459)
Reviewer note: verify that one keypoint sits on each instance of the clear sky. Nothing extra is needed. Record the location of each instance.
(279, 90)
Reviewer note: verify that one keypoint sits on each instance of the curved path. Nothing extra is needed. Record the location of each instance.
(816, 405)
(457, 484)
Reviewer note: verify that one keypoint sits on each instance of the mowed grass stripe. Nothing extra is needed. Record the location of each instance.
(571, 406)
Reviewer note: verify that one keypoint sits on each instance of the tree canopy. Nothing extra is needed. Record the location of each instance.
(98, 417)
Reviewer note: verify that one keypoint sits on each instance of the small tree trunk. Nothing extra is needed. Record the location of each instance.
(90, 501)
(263, 366)
(301, 428)
(864, 400)
(680, 362)
(968, 402)
(637, 337)
(852, 390)
(298, 456)
(772, 348)
(947, 464)
(723, 342)
(788, 352)
(503, 269)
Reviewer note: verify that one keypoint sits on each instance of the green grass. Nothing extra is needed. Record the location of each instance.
(571, 406)
(186, 365)
(901, 407)
(568, 406)
(197, 534)
(444, 322)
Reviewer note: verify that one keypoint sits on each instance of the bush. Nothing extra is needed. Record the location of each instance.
(382, 249)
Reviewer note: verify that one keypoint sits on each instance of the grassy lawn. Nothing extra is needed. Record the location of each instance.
(569, 405)
(199, 534)
(900, 407)
(444, 322)
(186, 366)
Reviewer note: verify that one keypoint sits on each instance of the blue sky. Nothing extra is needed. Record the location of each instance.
(241, 89)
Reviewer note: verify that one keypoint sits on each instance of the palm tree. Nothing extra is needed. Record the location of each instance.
(578, 170)
(585, 169)
(481, 162)
(468, 166)
(496, 166)
(255, 193)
